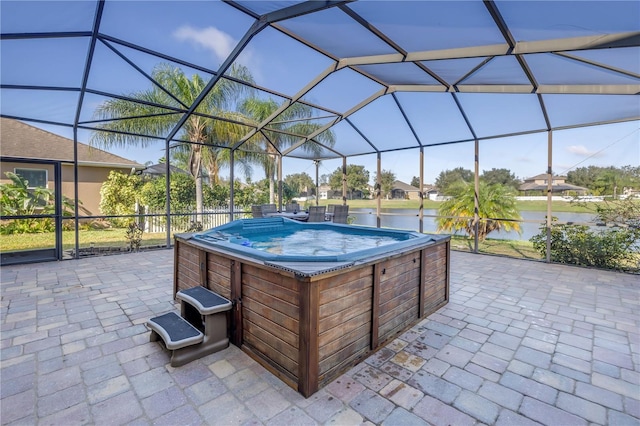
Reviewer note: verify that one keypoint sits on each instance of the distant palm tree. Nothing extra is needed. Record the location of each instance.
(145, 115)
(295, 119)
(496, 202)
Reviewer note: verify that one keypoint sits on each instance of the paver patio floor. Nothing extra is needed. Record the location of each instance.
(520, 342)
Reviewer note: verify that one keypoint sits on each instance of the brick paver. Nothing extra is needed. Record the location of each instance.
(520, 342)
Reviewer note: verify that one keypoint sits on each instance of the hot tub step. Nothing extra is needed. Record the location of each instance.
(175, 331)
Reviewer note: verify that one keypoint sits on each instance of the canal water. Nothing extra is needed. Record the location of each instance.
(408, 219)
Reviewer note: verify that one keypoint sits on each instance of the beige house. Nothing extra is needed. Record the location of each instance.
(34, 153)
(404, 191)
(539, 183)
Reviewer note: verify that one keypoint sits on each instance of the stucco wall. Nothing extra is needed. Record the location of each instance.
(90, 179)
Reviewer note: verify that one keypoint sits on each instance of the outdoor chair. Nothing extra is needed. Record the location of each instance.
(268, 208)
(340, 213)
(317, 213)
(292, 207)
(256, 210)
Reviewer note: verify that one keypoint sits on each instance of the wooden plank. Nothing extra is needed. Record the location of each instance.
(202, 268)
(267, 275)
(267, 299)
(349, 355)
(308, 354)
(344, 289)
(410, 282)
(346, 302)
(346, 276)
(176, 250)
(279, 292)
(220, 265)
(337, 319)
(375, 306)
(411, 296)
(276, 358)
(291, 324)
(395, 307)
(287, 377)
(357, 333)
(269, 338)
(403, 320)
(346, 327)
(276, 329)
(422, 285)
(236, 298)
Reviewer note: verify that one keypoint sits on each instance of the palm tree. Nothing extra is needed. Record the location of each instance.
(293, 120)
(143, 113)
(497, 203)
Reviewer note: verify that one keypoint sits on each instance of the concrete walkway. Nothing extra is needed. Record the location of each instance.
(520, 342)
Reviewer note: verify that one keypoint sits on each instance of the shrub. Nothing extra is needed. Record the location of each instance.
(17, 199)
(612, 248)
(118, 196)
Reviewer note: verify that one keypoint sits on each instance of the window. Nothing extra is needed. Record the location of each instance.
(37, 178)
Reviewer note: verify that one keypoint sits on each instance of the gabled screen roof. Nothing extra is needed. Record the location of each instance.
(333, 78)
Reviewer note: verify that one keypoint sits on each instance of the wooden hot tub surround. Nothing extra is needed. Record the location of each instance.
(309, 327)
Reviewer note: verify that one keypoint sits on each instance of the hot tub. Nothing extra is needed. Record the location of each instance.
(308, 311)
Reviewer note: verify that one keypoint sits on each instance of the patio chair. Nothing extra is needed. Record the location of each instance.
(268, 208)
(256, 210)
(292, 207)
(340, 213)
(317, 213)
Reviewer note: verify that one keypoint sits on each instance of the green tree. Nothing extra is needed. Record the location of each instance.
(605, 180)
(144, 113)
(497, 210)
(300, 182)
(357, 180)
(291, 125)
(448, 178)
(119, 195)
(500, 177)
(387, 179)
(415, 181)
(584, 176)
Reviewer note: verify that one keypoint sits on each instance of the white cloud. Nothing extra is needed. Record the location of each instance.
(583, 151)
(220, 44)
(210, 38)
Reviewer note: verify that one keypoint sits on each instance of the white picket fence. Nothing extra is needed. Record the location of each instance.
(210, 218)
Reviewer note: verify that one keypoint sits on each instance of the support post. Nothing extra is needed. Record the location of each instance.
(344, 180)
(549, 191)
(317, 163)
(421, 192)
(279, 162)
(231, 179)
(378, 190)
(476, 191)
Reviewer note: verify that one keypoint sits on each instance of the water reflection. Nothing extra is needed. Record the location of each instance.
(408, 219)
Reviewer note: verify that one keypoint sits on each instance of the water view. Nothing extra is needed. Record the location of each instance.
(408, 219)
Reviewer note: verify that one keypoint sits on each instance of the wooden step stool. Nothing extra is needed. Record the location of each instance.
(200, 331)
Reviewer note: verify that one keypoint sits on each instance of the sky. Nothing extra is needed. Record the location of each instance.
(206, 32)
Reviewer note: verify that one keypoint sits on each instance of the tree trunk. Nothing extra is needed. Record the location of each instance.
(196, 171)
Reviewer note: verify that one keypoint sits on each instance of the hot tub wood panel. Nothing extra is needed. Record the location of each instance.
(188, 267)
(269, 298)
(219, 275)
(308, 330)
(343, 351)
(362, 309)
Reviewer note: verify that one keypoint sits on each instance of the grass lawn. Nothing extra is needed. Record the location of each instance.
(511, 248)
(114, 237)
